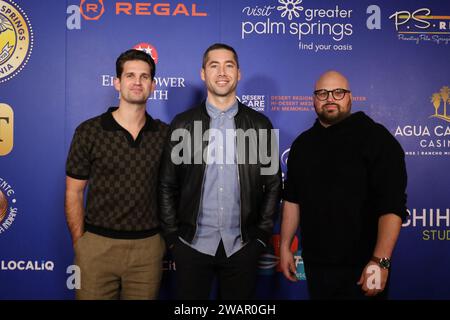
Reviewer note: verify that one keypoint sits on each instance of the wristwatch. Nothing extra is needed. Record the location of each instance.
(384, 263)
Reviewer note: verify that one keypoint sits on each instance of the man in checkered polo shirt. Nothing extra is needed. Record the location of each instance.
(117, 154)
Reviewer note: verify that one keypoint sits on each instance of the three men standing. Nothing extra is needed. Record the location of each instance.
(212, 182)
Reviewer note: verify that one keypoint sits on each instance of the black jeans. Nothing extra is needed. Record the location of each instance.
(236, 274)
(329, 282)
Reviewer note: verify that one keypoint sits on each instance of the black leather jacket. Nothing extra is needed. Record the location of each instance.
(180, 186)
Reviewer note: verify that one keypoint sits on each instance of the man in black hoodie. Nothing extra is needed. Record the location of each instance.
(346, 179)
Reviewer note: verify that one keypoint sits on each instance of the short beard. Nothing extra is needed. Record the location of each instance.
(331, 120)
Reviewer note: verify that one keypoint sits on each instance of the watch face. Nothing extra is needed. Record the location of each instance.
(385, 263)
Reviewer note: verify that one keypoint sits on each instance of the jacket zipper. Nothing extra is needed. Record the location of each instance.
(239, 181)
(203, 184)
(200, 203)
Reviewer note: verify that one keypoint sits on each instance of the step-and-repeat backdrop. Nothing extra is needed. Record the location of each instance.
(57, 63)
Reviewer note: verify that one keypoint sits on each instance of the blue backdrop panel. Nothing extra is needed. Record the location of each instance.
(34, 168)
(395, 55)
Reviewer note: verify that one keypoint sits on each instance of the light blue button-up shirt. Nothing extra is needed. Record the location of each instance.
(219, 216)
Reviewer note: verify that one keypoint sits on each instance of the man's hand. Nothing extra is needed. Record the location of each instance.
(369, 279)
(289, 223)
(74, 207)
(287, 264)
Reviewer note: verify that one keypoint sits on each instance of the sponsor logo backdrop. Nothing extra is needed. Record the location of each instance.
(57, 62)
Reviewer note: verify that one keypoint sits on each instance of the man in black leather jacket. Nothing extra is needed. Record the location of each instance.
(217, 216)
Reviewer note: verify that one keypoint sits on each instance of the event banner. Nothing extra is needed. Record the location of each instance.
(57, 67)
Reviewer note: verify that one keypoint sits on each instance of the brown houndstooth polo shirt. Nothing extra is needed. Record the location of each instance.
(122, 174)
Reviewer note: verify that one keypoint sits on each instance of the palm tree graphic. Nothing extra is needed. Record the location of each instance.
(443, 94)
(436, 99)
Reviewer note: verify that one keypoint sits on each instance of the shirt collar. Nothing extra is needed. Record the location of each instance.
(214, 112)
(110, 124)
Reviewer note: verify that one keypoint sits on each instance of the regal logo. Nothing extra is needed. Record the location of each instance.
(6, 129)
(441, 97)
(92, 9)
(158, 9)
(16, 40)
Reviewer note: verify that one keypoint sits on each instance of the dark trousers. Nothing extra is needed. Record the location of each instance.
(236, 275)
(327, 282)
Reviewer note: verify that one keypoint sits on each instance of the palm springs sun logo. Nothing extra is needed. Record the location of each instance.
(16, 40)
(290, 7)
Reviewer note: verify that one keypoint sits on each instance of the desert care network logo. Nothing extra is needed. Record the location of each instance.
(433, 223)
(16, 40)
(93, 10)
(422, 26)
(163, 83)
(8, 205)
(328, 26)
(431, 138)
(6, 129)
(226, 146)
(255, 101)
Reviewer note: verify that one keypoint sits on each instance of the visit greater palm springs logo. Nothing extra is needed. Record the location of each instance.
(439, 99)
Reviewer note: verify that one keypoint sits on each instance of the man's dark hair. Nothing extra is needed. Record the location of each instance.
(217, 46)
(134, 54)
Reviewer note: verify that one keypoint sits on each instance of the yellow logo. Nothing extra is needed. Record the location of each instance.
(16, 40)
(441, 97)
(6, 129)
